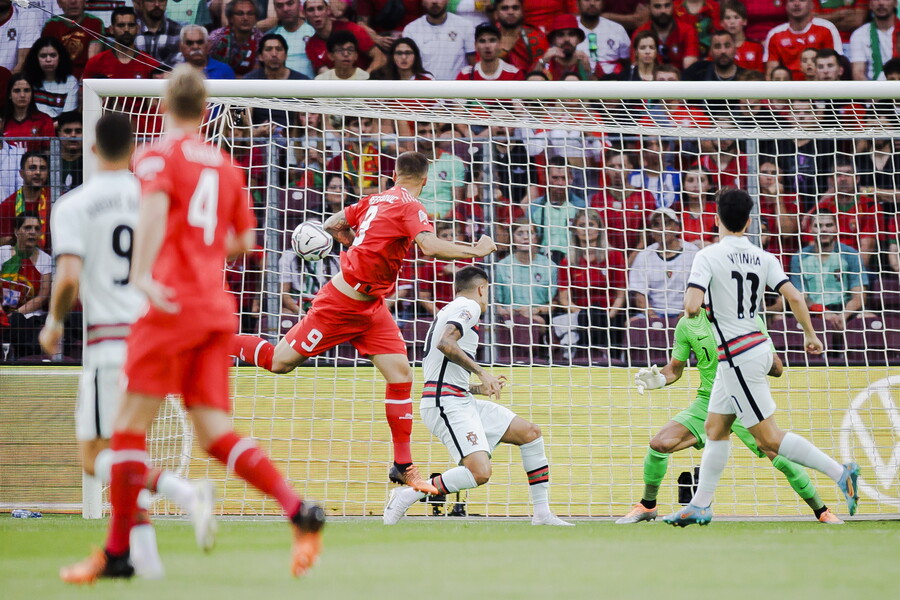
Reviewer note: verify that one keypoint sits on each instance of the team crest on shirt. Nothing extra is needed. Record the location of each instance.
(452, 35)
(669, 274)
(442, 175)
(473, 439)
(751, 55)
(786, 42)
(465, 315)
(811, 38)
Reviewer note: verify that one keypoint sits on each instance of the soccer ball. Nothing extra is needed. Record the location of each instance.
(310, 241)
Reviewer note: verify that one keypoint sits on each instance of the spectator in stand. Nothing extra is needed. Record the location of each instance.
(606, 44)
(552, 212)
(828, 273)
(490, 67)
(447, 41)
(18, 31)
(195, 52)
(878, 165)
(343, 53)
(388, 18)
(809, 162)
(79, 32)
(10, 157)
(301, 280)
(361, 160)
(123, 61)
(659, 178)
(623, 208)
(404, 63)
(49, 70)
(780, 73)
(25, 278)
(318, 15)
(434, 277)
(779, 210)
(541, 13)
(295, 31)
(828, 65)
(762, 16)
(748, 54)
(592, 285)
(646, 63)
(521, 45)
(677, 41)
(70, 132)
(446, 184)
(659, 273)
(563, 56)
(722, 159)
(158, 35)
(721, 65)
(32, 197)
(630, 14)
(524, 281)
(846, 15)
(21, 116)
(704, 16)
(808, 64)
(875, 43)
(785, 42)
(273, 53)
(189, 12)
(237, 44)
(697, 208)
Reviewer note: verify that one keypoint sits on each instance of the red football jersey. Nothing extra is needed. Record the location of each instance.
(749, 55)
(624, 220)
(594, 285)
(106, 65)
(854, 222)
(207, 203)
(386, 225)
(786, 45)
(506, 72)
(317, 51)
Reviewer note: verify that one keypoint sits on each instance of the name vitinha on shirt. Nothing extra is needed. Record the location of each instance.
(744, 258)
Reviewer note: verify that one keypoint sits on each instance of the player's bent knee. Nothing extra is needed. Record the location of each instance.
(481, 473)
(662, 445)
(532, 433)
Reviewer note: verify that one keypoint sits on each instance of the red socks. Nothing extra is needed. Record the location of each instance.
(129, 473)
(249, 463)
(398, 408)
(254, 350)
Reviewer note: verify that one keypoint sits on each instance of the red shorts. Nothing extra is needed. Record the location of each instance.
(335, 318)
(164, 359)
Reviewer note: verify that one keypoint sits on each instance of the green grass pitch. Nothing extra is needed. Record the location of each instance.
(474, 559)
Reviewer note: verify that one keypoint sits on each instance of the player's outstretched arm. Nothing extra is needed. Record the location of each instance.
(148, 239)
(339, 228)
(240, 244)
(693, 301)
(65, 290)
(448, 344)
(432, 245)
(798, 306)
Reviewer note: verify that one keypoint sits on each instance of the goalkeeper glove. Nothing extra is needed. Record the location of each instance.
(649, 379)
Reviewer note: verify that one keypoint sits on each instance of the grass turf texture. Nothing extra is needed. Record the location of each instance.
(475, 559)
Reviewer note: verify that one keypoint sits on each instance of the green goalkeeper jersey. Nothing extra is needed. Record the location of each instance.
(697, 334)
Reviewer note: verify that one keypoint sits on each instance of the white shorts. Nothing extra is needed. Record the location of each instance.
(466, 425)
(744, 390)
(99, 394)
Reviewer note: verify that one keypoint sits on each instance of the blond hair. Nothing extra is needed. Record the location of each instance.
(186, 92)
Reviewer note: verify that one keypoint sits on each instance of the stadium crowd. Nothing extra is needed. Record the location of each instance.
(597, 233)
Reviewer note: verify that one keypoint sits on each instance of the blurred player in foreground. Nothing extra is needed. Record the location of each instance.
(379, 231)
(686, 429)
(93, 227)
(194, 213)
(733, 275)
(471, 428)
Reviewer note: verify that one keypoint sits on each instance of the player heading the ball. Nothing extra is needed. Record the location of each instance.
(378, 232)
(732, 275)
(470, 428)
(193, 215)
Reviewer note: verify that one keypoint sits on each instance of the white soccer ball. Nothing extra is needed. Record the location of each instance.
(310, 241)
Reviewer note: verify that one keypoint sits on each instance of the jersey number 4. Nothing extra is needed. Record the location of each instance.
(202, 209)
(753, 282)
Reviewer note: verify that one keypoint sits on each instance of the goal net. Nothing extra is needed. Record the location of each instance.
(598, 196)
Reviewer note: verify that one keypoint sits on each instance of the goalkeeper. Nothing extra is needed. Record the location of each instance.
(686, 429)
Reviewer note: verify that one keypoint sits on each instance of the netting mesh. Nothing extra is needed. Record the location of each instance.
(588, 280)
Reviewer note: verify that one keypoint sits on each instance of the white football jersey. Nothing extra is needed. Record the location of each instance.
(735, 274)
(445, 380)
(96, 221)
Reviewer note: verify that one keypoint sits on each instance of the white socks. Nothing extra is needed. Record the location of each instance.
(534, 460)
(454, 480)
(712, 463)
(802, 451)
(176, 489)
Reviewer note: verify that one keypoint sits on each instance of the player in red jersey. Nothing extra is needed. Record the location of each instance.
(194, 213)
(379, 231)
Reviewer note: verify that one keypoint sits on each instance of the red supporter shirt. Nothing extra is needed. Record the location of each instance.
(749, 55)
(10, 209)
(38, 124)
(106, 65)
(785, 45)
(540, 13)
(704, 22)
(681, 43)
(783, 245)
(207, 203)
(728, 176)
(855, 222)
(386, 225)
(762, 16)
(698, 226)
(317, 51)
(594, 285)
(530, 46)
(435, 277)
(76, 38)
(506, 72)
(624, 220)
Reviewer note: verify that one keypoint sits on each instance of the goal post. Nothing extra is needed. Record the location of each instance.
(569, 178)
